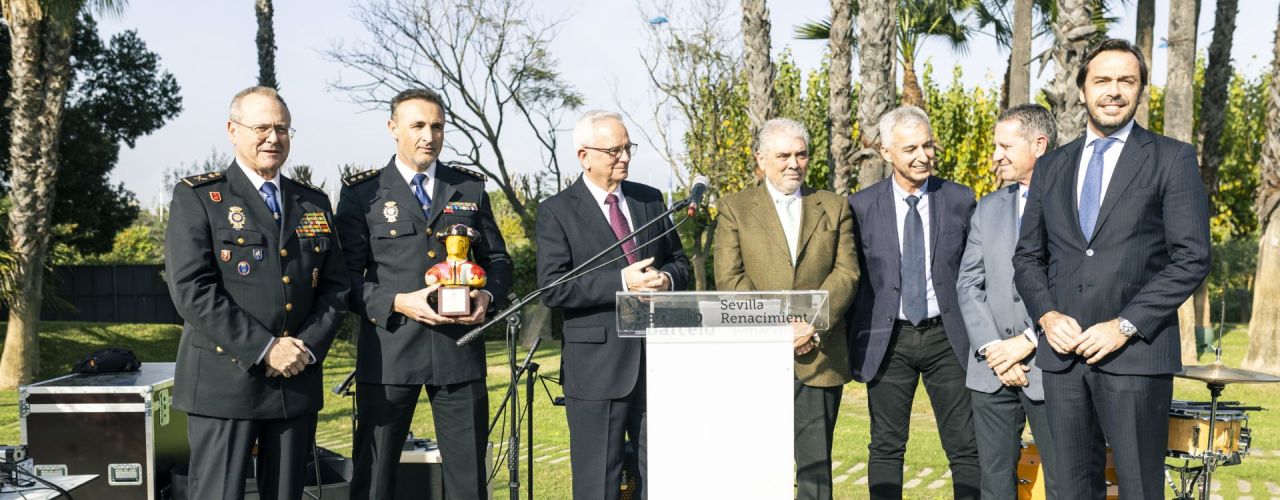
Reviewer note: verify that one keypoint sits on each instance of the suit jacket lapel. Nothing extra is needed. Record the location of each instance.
(1132, 157)
(811, 213)
(291, 210)
(933, 186)
(1009, 223)
(1072, 196)
(442, 192)
(394, 188)
(886, 216)
(593, 220)
(636, 209)
(259, 216)
(764, 208)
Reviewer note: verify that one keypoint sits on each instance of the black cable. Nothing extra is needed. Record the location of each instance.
(41, 480)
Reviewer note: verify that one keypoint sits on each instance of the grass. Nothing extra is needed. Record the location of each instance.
(64, 343)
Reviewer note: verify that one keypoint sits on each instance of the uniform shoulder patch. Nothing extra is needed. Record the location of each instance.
(357, 178)
(469, 172)
(205, 178)
(310, 186)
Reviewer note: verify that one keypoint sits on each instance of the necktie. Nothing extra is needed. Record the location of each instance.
(1091, 193)
(789, 223)
(268, 191)
(620, 227)
(420, 191)
(915, 303)
(1020, 209)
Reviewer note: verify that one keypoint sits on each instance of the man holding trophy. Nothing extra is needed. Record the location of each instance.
(395, 224)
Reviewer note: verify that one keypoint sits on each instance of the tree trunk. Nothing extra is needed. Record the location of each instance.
(266, 44)
(1143, 39)
(1264, 326)
(40, 70)
(877, 26)
(840, 105)
(1019, 70)
(761, 104)
(1217, 76)
(703, 239)
(912, 95)
(1072, 32)
(1178, 124)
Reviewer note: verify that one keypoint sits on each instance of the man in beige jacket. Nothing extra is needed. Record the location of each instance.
(783, 235)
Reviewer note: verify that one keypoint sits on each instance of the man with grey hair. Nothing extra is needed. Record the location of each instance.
(602, 373)
(785, 221)
(1006, 383)
(910, 232)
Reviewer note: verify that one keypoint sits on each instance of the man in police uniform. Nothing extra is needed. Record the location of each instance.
(387, 221)
(256, 273)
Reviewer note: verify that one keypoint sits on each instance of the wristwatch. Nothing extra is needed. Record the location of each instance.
(1126, 328)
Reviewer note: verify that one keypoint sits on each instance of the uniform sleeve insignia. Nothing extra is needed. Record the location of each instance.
(470, 172)
(357, 178)
(205, 178)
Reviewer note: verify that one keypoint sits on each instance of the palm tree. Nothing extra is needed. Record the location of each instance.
(1217, 75)
(917, 20)
(1264, 326)
(761, 104)
(1178, 124)
(1146, 26)
(40, 69)
(1019, 91)
(266, 41)
(878, 91)
(840, 105)
(1073, 30)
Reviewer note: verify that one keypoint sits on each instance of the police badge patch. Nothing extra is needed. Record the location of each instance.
(390, 211)
(235, 215)
(243, 268)
(225, 255)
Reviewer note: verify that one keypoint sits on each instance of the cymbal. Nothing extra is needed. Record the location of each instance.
(1218, 373)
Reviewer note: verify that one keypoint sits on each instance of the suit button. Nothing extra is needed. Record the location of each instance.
(218, 348)
(895, 289)
(284, 253)
(285, 333)
(1088, 253)
(374, 321)
(288, 307)
(1008, 331)
(1017, 298)
(240, 241)
(285, 279)
(888, 320)
(393, 232)
(431, 254)
(234, 360)
(317, 249)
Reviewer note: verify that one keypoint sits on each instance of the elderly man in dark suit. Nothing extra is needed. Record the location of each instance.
(1004, 378)
(387, 220)
(603, 374)
(910, 231)
(257, 275)
(1114, 238)
(783, 235)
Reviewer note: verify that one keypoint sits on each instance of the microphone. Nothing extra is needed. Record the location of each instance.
(699, 189)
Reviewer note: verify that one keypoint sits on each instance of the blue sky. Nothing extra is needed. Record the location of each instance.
(597, 45)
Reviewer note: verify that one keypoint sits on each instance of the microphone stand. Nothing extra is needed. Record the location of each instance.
(512, 311)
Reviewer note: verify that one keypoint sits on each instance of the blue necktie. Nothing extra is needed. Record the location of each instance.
(1091, 193)
(915, 302)
(268, 191)
(420, 191)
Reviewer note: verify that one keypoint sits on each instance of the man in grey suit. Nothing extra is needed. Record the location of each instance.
(1002, 375)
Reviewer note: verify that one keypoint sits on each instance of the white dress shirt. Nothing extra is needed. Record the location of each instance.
(257, 182)
(900, 207)
(789, 211)
(1109, 158)
(408, 173)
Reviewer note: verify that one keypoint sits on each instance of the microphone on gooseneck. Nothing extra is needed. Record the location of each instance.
(699, 189)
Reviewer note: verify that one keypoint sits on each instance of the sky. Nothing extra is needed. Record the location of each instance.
(598, 44)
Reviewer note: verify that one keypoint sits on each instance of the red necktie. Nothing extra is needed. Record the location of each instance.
(620, 227)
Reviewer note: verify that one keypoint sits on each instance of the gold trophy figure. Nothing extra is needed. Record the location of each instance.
(456, 275)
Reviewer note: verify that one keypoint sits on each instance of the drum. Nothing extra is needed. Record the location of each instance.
(1189, 430)
(1031, 473)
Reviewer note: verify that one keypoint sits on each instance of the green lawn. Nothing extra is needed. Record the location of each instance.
(64, 343)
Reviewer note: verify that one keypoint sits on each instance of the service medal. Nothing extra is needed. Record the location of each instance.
(243, 268)
(391, 211)
(225, 255)
(258, 254)
(235, 215)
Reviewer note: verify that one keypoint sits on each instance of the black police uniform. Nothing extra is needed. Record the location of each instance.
(390, 243)
(238, 279)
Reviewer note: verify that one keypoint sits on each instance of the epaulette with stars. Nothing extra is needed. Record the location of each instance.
(469, 172)
(205, 178)
(357, 178)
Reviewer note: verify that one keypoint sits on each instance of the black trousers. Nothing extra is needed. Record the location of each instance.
(598, 430)
(461, 415)
(998, 421)
(1088, 409)
(816, 409)
(913, 353)
(221, 454)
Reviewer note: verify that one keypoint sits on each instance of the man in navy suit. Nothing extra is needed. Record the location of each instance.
(910, 231)
(1114, 238)
(603, 374)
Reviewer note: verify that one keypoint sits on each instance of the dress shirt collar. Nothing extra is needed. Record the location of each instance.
(779, 196)
(257, 180)
(600, 194)
(902, 194)
(408, 173)
(1120, 136)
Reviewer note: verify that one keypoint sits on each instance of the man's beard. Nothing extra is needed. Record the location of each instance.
(1107, 124)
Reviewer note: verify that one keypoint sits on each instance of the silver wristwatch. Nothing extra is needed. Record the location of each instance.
(1126, 328)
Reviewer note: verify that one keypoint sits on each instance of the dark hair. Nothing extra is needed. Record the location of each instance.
(1109, 45)
(428, 95)
(1034, 120)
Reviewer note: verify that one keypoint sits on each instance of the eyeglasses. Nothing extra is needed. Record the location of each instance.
(265, 130)
(616, 151)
